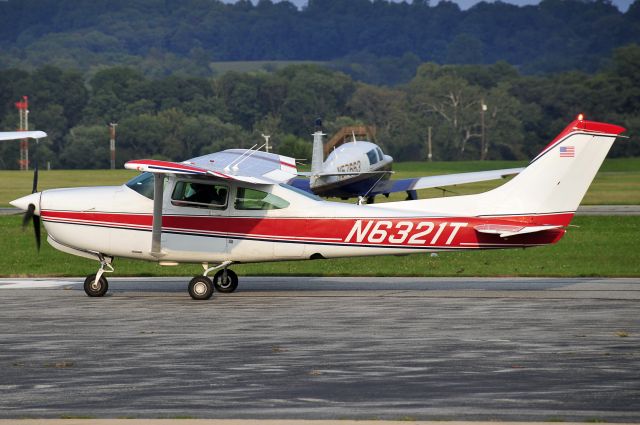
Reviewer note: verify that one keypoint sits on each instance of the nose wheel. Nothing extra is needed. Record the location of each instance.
(96, 285)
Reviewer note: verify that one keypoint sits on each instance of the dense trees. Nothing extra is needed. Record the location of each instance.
(376, 41)
(178, 117)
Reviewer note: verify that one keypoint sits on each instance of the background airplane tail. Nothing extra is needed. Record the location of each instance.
(317, 155)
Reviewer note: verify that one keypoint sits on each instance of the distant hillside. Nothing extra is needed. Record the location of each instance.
(162, 37)
(253, 66)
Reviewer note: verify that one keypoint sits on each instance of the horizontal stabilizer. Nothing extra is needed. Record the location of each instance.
(17, 135)
(506, 230)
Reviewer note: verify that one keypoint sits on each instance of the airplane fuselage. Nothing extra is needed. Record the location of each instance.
(117, 222)
(352, 170)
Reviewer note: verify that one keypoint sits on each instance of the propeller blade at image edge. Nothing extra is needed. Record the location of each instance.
(36, 229)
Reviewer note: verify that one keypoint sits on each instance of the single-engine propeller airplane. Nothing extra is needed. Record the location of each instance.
(233, 207)
(359, 169)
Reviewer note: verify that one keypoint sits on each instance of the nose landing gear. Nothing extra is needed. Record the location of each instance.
(96, 285)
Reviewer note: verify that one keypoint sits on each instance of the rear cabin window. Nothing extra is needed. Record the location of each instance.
(373, 156)
(199, 195)
(252, 199)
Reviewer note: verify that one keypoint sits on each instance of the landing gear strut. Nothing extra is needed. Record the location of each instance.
(225, 281)
(96, 285)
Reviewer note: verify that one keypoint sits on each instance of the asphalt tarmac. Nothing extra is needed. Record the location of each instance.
(324, 348)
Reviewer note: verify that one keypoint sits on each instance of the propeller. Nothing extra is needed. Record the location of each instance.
(35, 179)
(30, 215)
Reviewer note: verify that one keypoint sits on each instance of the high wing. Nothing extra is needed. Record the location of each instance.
(244, 165)
(402, 185)
(167, 167)
(264, 166)
(17, 135)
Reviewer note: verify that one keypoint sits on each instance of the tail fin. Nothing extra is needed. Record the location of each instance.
(554, 182)
(317, 155)
(557, 179)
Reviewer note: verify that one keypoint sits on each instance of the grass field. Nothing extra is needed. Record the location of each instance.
(618, 181)
(601, 246)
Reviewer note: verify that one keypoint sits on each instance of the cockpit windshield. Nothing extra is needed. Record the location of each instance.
(143, 184)
(373, 156)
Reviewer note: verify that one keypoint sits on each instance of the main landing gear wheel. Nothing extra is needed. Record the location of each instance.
(200, 288)
(228, 286)
(95, 288)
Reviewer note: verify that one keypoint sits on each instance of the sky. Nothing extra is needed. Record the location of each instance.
(623, 5)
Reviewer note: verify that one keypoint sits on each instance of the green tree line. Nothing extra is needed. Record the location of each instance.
(375, 41)
(179, 117)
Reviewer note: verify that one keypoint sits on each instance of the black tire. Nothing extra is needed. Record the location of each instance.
(96, 289)
(225, 287)
(200, 288)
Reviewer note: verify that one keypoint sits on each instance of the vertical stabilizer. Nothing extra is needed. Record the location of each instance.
(317, 156)
(557, 179)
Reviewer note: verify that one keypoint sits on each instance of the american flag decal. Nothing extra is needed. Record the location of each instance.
(567, 151)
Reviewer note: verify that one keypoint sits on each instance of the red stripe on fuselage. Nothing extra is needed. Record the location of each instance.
(449, 232)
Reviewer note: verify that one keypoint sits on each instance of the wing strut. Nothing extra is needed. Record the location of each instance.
(156, 232)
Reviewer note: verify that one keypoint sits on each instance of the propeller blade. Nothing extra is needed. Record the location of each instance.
(35, 179)
(28, 215)
(36, 229)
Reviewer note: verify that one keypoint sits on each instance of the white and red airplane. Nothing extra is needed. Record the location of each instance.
(233, 207)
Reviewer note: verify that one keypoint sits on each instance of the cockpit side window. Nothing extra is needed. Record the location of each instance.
(199, 195)
(143, 184)
(252, 199)
(373, 157)
(380, 154)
